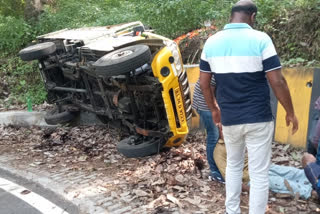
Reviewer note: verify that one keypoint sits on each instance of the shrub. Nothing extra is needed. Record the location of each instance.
(13, 8)
(14, 33)
(174, 17)
(23, 80)
(82, 13)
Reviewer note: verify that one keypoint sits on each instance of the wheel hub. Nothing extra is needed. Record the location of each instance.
(122, 54)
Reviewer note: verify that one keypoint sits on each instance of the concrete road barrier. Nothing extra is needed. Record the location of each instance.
(23, 118)
(304, 85)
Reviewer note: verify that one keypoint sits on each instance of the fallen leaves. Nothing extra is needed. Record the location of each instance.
(173, 199)
(25, 192)
(180, 179)
(166, 182)
(157, 202)
(140, 193)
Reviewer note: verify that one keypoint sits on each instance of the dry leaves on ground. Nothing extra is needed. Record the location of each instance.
(175, 179)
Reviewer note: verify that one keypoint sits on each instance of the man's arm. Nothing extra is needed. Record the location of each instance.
(281, 91)
(215, 103)
(205, 79)
(213, 92)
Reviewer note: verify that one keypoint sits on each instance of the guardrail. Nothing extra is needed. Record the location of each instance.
(304, 85)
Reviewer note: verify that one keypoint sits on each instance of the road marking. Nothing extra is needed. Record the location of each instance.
(35, 200)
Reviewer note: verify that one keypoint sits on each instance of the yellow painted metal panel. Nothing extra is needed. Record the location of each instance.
(297, 79)
(171, 82)
(193, 76)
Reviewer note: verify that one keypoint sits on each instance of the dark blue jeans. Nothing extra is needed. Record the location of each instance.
(312, 171)
(310, 147)
(314, 132)
(212, 137)
(318, 154)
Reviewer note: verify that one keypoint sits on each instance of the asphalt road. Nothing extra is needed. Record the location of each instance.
(20, 196)
(11, 204)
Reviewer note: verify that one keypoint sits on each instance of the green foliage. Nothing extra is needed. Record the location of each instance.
(82, 13)
(308, 4)
(15, 33)
(13, 8)
(295, 31)
(174, 17)
(268, 10)
(292, 24)
(23, 80)
(123, 13)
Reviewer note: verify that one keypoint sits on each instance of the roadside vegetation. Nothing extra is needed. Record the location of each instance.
(293, 24)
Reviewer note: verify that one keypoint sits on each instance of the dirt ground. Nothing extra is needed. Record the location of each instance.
(175, 178)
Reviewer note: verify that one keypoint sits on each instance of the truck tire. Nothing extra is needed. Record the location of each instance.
(55, 117)
(122, 61)
(37, 51)
(138, 146)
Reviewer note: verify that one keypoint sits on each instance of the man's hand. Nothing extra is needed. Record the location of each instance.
(295, 124)
(216, 116)
(280, 88)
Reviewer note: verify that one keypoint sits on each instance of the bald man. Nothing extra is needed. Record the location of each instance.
(242, 60)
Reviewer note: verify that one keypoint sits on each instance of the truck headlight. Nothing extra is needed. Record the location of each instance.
(176, 55)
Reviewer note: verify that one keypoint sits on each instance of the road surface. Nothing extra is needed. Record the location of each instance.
(20, 196)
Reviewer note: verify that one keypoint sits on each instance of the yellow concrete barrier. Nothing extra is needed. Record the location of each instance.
(193, 73)
(300, 81)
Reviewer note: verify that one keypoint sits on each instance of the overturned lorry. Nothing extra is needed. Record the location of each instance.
(125, 74)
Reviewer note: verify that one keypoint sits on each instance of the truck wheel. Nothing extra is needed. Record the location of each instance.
(55, 117)
(37, 51)
(138, 146)
(122, 61)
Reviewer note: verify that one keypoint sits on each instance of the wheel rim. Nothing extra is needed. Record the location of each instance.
(121, 54)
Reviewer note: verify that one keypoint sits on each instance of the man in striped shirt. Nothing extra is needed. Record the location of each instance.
(242, 60)
(200, 105)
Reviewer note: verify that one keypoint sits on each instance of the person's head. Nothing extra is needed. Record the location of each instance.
(244, 11)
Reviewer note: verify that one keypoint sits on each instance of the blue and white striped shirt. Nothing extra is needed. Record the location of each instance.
(239, 58)
(198, 101)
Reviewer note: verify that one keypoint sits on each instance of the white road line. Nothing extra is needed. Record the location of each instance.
(35, 200)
